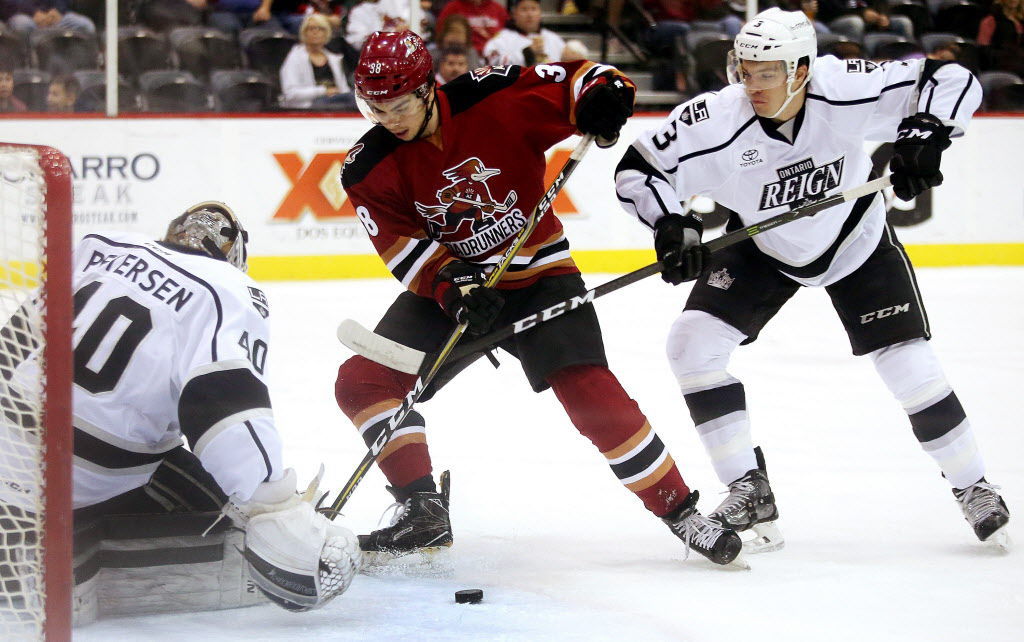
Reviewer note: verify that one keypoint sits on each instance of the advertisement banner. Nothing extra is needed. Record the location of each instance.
(281, 177)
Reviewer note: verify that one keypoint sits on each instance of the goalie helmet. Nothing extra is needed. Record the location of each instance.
(212, 228)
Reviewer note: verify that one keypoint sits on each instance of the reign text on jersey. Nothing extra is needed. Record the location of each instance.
(137, 270)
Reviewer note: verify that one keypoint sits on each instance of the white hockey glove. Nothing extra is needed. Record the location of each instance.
(298, 558)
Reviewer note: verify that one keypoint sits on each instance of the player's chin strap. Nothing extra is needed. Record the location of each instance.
(411, 361)
(791, 94)
(430, 109)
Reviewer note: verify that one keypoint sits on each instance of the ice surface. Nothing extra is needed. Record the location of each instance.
(876, 549)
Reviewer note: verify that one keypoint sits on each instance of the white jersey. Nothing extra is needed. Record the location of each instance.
(508, 46)
(715, 145)
(167, 344)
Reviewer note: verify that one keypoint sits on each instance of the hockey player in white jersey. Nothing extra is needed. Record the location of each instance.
(170, 341)
(791, 128)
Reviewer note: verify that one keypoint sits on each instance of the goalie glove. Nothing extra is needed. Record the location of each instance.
(917, 153)
(297, 557)
(458, 288)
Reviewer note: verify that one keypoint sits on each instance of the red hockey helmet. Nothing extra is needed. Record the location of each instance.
(392, 64)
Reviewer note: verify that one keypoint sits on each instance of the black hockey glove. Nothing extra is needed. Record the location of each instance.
(917, 154)
(677, 244)
(603, 107)
(458, 288)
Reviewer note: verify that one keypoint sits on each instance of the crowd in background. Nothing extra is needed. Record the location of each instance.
(261, 55)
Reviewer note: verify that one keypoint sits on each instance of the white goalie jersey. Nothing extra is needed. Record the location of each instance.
(168, 343)
(715, 145)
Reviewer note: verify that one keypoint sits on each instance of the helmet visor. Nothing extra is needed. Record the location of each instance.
(754, 74)
(381, 112)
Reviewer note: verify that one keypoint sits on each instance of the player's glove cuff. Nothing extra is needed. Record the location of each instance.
(677, 244)
(604, 105)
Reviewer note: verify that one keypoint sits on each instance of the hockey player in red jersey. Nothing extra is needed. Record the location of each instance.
(443, 184)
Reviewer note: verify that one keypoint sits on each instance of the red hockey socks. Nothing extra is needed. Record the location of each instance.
(369, 393)
(603, 413)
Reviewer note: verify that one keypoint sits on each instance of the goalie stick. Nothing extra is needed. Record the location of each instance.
(438, 358)
(410, 360)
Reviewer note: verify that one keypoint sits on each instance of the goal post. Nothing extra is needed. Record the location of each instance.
(36, 360)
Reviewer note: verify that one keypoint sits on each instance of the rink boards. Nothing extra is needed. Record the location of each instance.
(280, 175)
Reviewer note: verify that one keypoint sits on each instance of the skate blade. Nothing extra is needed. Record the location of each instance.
(424, 562)
(1000, 541)
(767, 538)
(740, 563)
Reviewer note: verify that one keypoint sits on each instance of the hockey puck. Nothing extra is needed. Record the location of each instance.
(469, 596)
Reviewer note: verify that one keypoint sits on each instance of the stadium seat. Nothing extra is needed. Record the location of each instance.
(827, 40)
(200, 50)
(850, 26)
(12, 48)
(961, 17)
(172, 91)
(31, 87)
(992, 80)
(969, 54)
(873, 41)
(710, 58)
(697, 36)
(266, 49)
(241, 90)
(92, 95)
(916, 10)
(1007, 98)
(140, 50)
(62, 50)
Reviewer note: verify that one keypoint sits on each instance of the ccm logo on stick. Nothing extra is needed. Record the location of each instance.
(884, 312)
(550, 313)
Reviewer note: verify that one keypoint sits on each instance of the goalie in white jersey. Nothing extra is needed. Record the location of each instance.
(170, 341)
(791, 128)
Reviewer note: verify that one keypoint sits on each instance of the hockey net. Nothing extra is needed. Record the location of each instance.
(35, 389)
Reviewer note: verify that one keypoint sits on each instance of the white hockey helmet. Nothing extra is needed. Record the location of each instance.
(774, 34)
(212, 228)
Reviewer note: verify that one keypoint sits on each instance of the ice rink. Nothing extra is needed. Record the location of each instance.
(876, 548)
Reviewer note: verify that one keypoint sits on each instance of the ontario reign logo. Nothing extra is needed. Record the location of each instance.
(467, 198)
(801, 181)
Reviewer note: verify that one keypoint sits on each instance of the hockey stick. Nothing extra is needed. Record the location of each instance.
(410, 360)
(439, 358)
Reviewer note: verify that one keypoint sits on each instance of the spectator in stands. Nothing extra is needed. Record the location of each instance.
(523, 41)
(8, 101)
(452, 63)
(947, 51)
(231, 16)
(375, 15)
(163, 15)
(1001, 37)
(311, 76)
(291, 13)
(62, 95)
(575, 50)
(25, 16)
(809, 7)
(485, 17)
(455, 32)
(861, 16)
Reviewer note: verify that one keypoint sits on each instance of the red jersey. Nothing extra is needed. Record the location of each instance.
(467, 190)
(485, 19)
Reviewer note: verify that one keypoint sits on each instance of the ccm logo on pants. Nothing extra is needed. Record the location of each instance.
(884, 312)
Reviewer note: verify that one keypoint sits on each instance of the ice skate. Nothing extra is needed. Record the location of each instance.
(986, 512)
(751, 506)
(718, 544)
(421, 527)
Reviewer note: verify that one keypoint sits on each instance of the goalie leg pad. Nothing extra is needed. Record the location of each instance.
(299, 559)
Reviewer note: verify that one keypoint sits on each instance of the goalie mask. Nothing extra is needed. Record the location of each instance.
(212, 228)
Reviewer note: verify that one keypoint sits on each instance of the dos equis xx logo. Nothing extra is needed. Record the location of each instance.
(467, 217)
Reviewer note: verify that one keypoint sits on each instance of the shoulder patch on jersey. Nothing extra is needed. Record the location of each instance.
(480, 73)
(259, 301)
(372, 148)
(694, 113)
(469, 89)
(856, 66)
